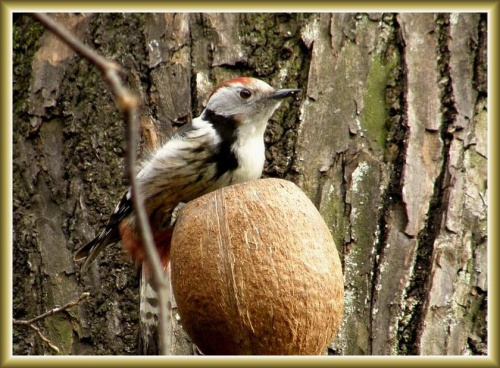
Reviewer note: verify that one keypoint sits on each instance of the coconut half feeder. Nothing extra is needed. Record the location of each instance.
(255, 271)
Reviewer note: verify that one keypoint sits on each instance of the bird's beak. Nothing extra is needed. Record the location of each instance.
(283, 93)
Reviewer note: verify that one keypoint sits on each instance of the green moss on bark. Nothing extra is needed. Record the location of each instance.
(375, 113)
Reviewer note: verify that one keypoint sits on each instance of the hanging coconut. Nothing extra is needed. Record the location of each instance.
(255, 271)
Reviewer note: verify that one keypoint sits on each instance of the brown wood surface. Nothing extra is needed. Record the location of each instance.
(388, 139)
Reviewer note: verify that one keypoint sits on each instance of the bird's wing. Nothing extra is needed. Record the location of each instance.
(157, 180)
(109, 235)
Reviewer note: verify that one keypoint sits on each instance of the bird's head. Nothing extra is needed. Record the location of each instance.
(246, 100)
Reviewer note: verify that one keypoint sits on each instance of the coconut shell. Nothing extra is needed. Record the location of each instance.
(255, 271)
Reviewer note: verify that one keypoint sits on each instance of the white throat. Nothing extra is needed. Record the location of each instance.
(250, 151)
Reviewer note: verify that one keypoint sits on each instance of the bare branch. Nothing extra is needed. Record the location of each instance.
(52, 311)
(30, 323)
(165, 317)
(102, 63)
(43, 338)
(128, 104)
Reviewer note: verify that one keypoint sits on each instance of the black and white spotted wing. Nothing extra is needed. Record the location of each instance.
(109, 235)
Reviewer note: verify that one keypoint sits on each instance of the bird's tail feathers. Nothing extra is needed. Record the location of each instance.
(91, 250)
(148, 328)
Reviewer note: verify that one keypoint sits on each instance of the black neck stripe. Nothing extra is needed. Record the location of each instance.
(225, 127)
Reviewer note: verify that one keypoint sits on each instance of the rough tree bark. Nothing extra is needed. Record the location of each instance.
(388, 139)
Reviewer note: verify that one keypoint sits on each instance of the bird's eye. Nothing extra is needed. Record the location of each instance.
(245, 94)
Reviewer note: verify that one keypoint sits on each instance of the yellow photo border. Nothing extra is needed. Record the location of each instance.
(7, 8)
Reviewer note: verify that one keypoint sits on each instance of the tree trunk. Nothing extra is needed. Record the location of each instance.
(388, 139)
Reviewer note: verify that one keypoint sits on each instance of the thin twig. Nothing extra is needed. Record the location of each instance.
(30, 323)
(102, 63)
(43, 338)
(52, 311)
(128, 104)
(165, 317)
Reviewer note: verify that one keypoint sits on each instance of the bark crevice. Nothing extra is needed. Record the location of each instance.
(422, 272)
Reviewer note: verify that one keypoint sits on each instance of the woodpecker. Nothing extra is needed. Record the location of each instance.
(221, 147)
